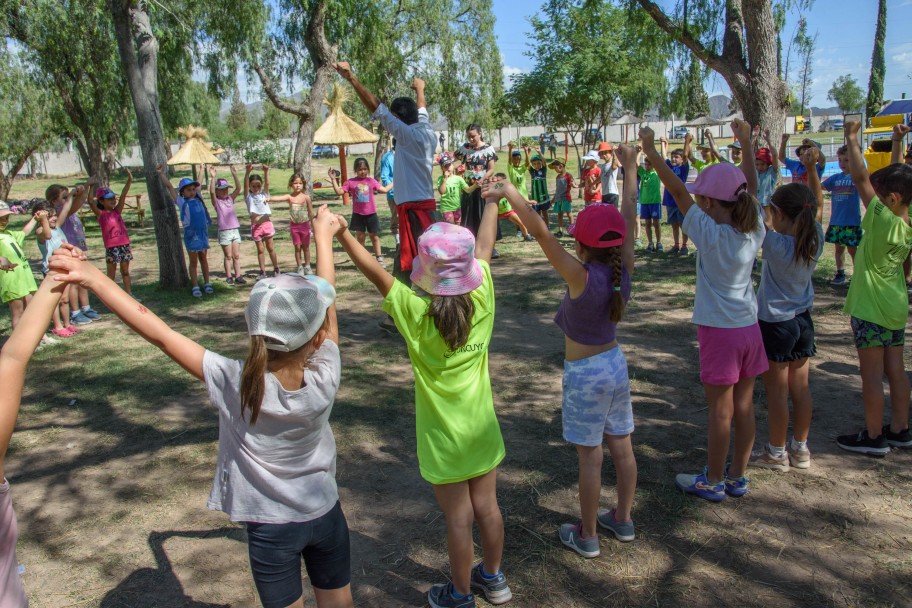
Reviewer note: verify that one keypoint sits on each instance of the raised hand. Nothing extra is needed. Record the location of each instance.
(756, 132)
(851, 128)
(809, 156)
(688, 138)
(741, 129)
(325, 222)
(212, 172)
(79, 191)
(417, 84)
(766, 136)
(495, 188)
(344, 69)
(233, 169)
(627, 155)
(265, 168)
(707, 133)
(900, 131)
(159, 168)
(249, 167)
(647, 138)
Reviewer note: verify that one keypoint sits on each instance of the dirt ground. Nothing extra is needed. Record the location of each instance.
(112, 462)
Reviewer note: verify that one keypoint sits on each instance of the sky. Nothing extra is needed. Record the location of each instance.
(844, 45)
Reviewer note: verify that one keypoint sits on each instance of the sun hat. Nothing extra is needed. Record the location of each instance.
(5, 209)
(736, 145)
(591, 155)
(445, 158)
(801, 148)
(721, 181)
(221, 183)
(446, 264)
(594, 221)
(764, 154)
(605, 147)
(104, 193)
(556, 161)
(186, 182)
(288, 309)
(535, 156)
(515, 153)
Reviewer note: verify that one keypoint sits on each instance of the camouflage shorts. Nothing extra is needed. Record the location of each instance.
(596, 400)
(850, 236)
(872, 335)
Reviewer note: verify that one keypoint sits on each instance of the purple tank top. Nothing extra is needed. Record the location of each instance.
(585, 319)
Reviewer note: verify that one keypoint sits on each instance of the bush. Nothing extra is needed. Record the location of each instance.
(267, 152)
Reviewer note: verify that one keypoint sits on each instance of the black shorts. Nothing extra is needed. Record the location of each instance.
(364, 223)
(790, 340)
(611, 199)
(276, 550)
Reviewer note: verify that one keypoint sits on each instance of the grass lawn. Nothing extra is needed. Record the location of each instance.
(115, 450)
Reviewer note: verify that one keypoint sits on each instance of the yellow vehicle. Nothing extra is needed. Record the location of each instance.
(802, 124)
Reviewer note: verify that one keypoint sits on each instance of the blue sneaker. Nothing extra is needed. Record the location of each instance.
(443, 596)
(495, 588)
(736, 487)
(92, 314)
(699, 486)
(80, 319)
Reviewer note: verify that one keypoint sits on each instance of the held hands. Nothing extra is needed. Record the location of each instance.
(212, 172)
(40, 214)
(79, 191)
(71, 265)
(233, 170)
(495, 188)
(741, 129)
(265, 168)
(647, 139)
(766, 137)
(707, 133)
(688, 138)
(628, 157)
(344, 69)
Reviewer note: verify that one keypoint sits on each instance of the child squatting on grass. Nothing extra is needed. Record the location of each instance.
(596, 387)
(447, 324)
(724, 223)
(276, 454)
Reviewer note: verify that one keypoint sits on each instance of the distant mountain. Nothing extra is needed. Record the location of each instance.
(718, 106)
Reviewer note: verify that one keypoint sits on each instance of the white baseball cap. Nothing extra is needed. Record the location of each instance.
(288, 309)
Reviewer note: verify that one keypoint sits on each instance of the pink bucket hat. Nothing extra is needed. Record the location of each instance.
(446, 264)
(722, 181)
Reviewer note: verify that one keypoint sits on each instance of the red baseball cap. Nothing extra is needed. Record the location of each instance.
(764, 154)
(596, 220)
(605, 147)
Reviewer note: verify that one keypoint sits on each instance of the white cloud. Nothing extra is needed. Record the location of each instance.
(508, 72)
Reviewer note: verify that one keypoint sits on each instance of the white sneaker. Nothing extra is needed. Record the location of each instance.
(308, 269)
(381, 261)
(301, 269)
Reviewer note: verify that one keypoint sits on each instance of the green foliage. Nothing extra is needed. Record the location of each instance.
(878, 63)
(274, 124)
(846, 93)
(269, 153)
(238, 120)
(195, 106)
(805, 44)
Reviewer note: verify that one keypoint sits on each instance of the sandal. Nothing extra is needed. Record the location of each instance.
(74, 329)
(208, 288)
(63, 332)
(195, 292)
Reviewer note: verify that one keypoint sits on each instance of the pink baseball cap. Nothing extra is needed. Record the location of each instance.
(721, 181)
(104, 193)
(594, 222)
(446, 264)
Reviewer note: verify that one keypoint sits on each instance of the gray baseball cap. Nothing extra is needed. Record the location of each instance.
(288, 309)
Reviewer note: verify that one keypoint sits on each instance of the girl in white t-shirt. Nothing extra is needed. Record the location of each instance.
(724, 223)
(256, 195)
(276, 455)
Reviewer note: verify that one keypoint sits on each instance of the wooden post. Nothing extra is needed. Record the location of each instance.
(342, 163)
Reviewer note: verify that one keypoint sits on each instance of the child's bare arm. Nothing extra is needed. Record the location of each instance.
(247, 171)
(688, 145)
(384, 189)
(364, 260)
(17, 352)
(123, 195)
(570, 268)
(664, 144)
(742, 131)
(857, 166)
(809, 160)
(237, 183)
(168, 185)
(44, 226)
(671, 181)
(772, 149)
(212, 188)
(782, 143)
(325, 226)
(265, 179)
(899, 134)
(487, 230)
(30, 226)
(713, 148)
(628, 204)
(335, 183)
(184, 351)
(310, 208)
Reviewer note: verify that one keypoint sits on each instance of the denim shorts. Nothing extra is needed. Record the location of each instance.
(868, 334)
(596, 399)
(674, 215)
(790, 340)
(276, 550)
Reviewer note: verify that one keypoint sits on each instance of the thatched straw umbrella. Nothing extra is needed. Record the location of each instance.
(626, 120)
(339, 129)
(704, 121)
(196, 150)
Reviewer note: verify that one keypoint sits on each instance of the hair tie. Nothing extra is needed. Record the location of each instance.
(807, 205)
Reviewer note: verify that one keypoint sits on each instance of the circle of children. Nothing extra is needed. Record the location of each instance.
(276, 452)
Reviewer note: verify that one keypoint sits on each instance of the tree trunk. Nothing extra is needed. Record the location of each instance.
(6, 179)
(878, 64)
(138, 49)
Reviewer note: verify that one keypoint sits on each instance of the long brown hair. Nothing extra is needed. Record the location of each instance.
(745, 212)
(798, 203)
(452, 317)
(611, 257)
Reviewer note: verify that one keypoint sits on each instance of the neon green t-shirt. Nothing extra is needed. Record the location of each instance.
(451, 198)
(18, 282)
(650, 187)
(458, 433)
(699, 165)
(504, 206)
(517, 177)
(878, 290)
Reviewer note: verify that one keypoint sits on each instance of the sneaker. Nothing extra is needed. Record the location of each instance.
(79, 319)
(650, 248)
(863, 444)
(529, 238)
(261, 276)
(441, 596)
(495, 254)
(659, 248)
(63, 332)
(572, 536)
(736, 487)
(389, 326)
(239, 280)
(799, 459)
(92, 314)
(638, 243)
(195, 292)
(559, 233)
(763, 459)
(495, 588)
(674, 250)
(699, 486)
(207, 288)
(381, 261)
(301, 270)
(902, 439)
(623, 530)
(684, 251)
(839, 280)
(308, 269)
(48, 340)
(230, 280)
(519, 234)
(276, 272)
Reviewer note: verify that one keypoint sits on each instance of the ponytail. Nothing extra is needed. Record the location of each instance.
(253, 378)
(745, 212)
(611, 257)
(798, 203)
(452, 317)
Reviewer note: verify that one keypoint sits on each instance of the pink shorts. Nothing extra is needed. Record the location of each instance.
(503, 216)
(262, 231)
(453, 217)
(300, 234)
(728, 355)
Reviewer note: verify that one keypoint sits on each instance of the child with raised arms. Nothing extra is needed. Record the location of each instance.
(359, 192)
(845, 229)
(300, 210)
(109, 212)
(256, 196)
(596, 404)
(17, 283)
(505, 212)
(878, 302)
(276, 451)
(766, 160)
(650, 203)
(447, 325)
(50, 238)
(229, 227)
(724, 223)
(451, 187)
(195, 219)
(563, 194)
(677, 161)
(791, 248)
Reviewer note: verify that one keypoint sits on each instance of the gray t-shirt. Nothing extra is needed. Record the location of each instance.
(725, 257)
(785, 287)
(283, 468)
(609, 179)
